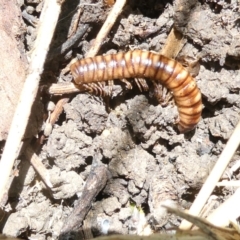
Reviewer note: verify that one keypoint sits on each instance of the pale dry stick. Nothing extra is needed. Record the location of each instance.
(234, 168)
(38, 166)
(211, 231)
(227, 212)
(47, 24)
(63, 88)
(211, 203)
(107, 26)
(232, 183)
(214, 176)
(173, 45)
(58, 110)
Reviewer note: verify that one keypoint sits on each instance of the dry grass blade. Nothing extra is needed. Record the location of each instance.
(107, 26)
(212, 232)
(227, 212)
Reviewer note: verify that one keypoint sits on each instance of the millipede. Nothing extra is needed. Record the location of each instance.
(146, 64)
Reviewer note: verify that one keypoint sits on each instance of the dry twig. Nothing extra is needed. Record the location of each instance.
(107, 26)
(174, 44)
(82, 29)
(210, 231)
(96, 181)
(38, 166)
(63, 88)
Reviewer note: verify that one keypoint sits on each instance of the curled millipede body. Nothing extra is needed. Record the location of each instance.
(138, 63)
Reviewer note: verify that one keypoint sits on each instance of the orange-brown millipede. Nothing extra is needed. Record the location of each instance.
(109, 2)
(138, 63)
